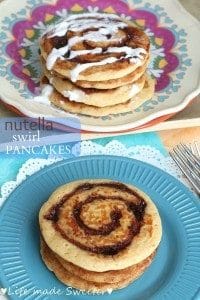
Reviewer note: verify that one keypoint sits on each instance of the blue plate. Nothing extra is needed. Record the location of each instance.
(175, 272)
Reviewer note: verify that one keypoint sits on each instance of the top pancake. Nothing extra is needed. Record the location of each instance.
(100, 225)
(94, 47)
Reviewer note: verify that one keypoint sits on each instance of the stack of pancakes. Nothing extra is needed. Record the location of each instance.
(96, 64)
(99, 235)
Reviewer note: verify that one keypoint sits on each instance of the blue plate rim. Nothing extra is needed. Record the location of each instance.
(82, 158)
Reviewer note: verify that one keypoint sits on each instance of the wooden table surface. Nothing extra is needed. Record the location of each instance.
(171, 138)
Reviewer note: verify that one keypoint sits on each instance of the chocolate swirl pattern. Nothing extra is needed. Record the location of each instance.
(102, 218)
(98, 234)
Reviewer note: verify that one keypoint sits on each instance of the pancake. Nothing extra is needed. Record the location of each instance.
(106, 84)
(100, 225)
(109, 276)
(80, 108)
(77, 282)
(94, 47)
(95, 97)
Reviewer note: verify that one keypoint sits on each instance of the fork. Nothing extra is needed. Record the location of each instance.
(188, 160)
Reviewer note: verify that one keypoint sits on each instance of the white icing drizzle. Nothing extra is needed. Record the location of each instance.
(45, 93)
(61, 28)
(135, 54)
(93, 15)
(83, 52)
(134, 90)
(80, 68)
(51, 80)
(75, 95)
(88, 24)
(106, 32)
(130, 52)
(93, 36)
(54, 55)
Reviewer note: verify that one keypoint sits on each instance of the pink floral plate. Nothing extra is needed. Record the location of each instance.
(175, 39)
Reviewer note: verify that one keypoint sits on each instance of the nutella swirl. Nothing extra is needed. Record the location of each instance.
(102, 218)
(91, 40)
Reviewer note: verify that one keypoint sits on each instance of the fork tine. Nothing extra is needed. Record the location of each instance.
(192, 148)
(190, 154)
(187, 159)
(186, 166)
(197, 148)
(185, 172)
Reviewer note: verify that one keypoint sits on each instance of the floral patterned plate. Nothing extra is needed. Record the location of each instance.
(175, 39)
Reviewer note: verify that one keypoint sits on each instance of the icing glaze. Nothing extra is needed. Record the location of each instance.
(82, 67)
(71, 22)
(104, 30)
(134, 90)
(54, 55)
(75, 95)
(45, 93)
(134, 54)
(128, 50)
(51, 80)
(83, 52)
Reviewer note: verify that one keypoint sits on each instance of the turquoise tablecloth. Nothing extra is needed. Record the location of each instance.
(9, 166)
